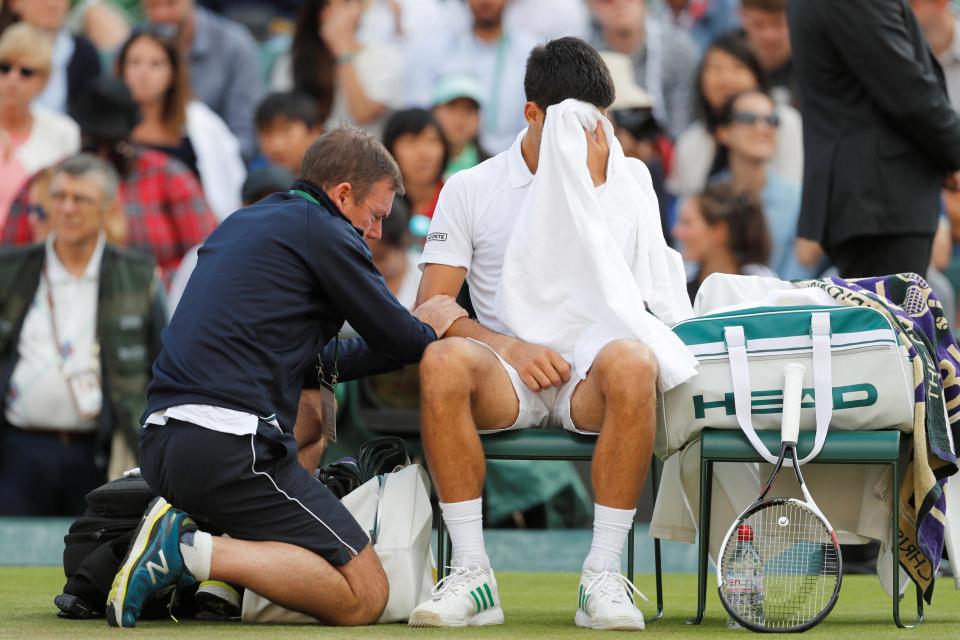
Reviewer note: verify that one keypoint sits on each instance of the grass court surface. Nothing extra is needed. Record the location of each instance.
(536, 605)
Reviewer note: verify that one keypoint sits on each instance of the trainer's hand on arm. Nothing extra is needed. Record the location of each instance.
(539, 367)
(598, 152)
(439, 312)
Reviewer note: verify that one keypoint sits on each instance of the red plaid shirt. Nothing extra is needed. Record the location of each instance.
(163, 203)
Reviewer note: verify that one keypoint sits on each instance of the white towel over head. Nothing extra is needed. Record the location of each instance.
(583, 260)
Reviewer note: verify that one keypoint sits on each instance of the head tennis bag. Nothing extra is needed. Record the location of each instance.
(858, 378)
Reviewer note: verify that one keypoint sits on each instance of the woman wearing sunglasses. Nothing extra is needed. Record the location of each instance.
(75, 63)
(748, 128)
(31, 137)
(728, 68)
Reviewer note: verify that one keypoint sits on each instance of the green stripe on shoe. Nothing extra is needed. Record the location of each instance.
(482, 598)
(489, 595)
(476, 601)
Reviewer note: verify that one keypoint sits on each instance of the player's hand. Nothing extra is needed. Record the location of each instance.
(539, 367)
(439, 312)
(598, 152)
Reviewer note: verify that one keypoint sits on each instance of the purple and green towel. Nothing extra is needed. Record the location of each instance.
(910, 304)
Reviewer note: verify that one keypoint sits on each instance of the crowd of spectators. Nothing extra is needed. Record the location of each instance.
(198, 107)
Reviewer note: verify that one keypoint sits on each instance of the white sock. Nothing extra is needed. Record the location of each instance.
(464, 521)
(610, 529)
(196, 547)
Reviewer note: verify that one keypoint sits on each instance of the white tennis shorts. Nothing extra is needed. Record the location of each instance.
(547, 409)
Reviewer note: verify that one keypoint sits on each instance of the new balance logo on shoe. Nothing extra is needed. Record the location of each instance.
(482, 597)
(162, 567)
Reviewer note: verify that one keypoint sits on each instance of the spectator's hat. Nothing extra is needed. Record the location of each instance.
(456, 86)
(264, 181)
(106, 110)
(629, 95)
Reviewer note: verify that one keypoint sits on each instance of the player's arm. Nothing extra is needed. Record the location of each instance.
(538, 366)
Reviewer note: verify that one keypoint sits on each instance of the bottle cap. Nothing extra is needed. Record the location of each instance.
(744, 533)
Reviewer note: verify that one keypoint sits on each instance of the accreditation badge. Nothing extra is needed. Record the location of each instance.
(328, 411)
(87, 393)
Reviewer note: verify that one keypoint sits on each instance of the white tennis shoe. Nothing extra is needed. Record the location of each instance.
(466, 597)
(606, 602)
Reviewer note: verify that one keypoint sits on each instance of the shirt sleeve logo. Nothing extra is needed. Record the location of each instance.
(438, 237)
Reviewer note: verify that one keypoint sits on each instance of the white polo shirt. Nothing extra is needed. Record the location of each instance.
(474, 218)
(39, 396)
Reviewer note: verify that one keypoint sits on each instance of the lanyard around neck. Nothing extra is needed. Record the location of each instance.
(60, 346)
(305, 195)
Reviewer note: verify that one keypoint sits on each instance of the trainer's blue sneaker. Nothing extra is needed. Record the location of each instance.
(153, 563)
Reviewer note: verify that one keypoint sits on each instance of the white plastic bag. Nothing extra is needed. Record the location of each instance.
(394, 509)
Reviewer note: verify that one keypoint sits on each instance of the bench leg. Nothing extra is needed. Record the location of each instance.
(706, 495)
(894, 535)
(657, 566)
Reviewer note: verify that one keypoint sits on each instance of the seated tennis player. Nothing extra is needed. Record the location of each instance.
(486, 379)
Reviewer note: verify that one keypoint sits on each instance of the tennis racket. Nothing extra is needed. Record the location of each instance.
(780, 567)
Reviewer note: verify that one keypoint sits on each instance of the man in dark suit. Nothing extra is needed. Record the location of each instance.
(880, 136)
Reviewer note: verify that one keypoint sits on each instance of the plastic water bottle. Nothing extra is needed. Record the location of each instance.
(744, 578)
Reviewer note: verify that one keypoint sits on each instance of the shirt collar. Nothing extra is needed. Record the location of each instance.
(517, 169)
(58, 273)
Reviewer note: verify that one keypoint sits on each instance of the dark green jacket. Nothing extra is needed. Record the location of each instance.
(130, 316)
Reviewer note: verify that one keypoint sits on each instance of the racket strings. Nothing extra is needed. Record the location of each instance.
(786, 576)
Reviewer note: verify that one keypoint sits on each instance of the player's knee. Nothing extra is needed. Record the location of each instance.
(628, 367)
(445, 364)
(370, 605)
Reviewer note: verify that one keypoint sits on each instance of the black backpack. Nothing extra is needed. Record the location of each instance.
(97, 543)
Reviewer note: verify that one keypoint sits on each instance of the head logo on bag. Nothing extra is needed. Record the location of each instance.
(851, 396)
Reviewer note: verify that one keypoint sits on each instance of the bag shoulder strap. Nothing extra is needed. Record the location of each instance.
(822, 385)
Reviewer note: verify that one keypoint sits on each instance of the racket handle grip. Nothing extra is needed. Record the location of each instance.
(792, 395)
